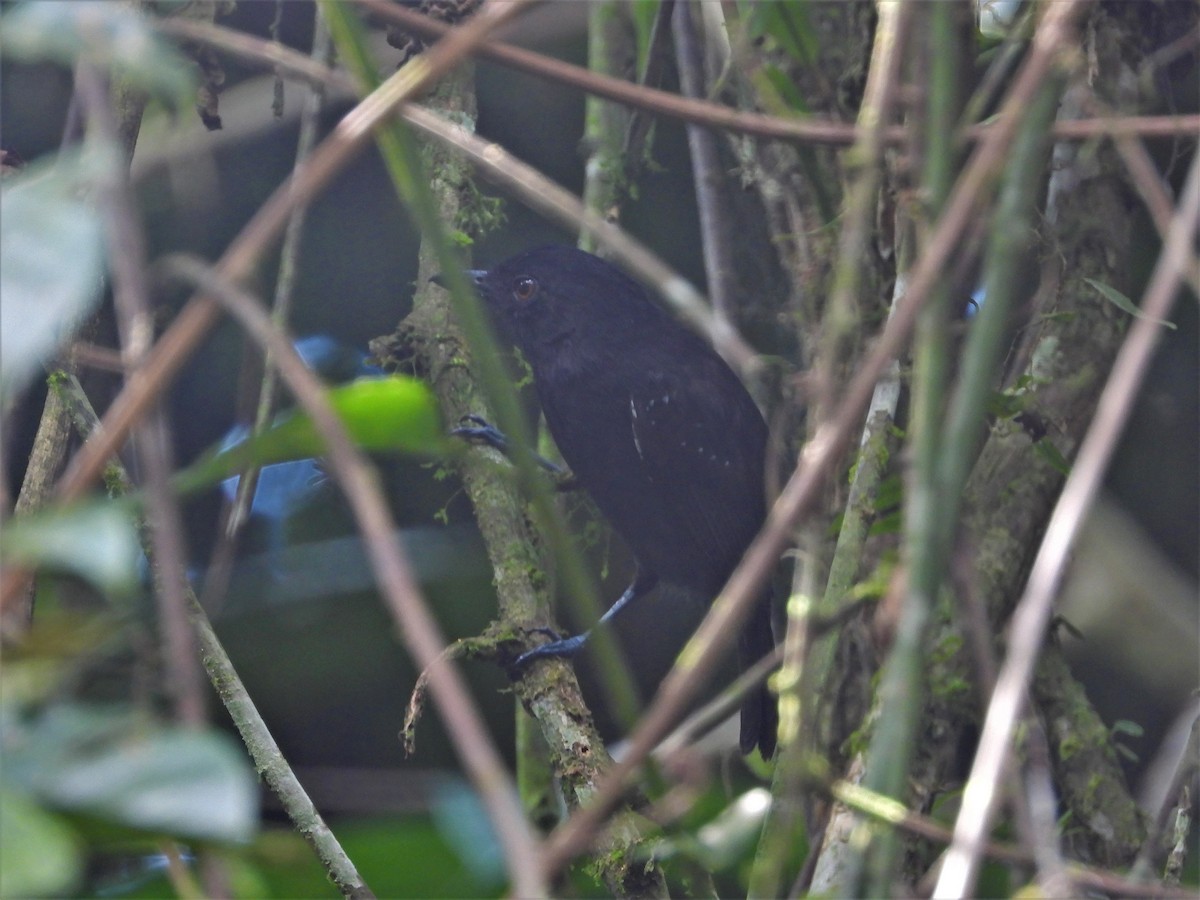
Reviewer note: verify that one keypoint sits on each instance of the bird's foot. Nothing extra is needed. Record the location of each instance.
(481, 431)
(557, 648)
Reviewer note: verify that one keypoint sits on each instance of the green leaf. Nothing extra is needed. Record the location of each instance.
(115, 766)
(51, 262)
(1119, 300)
(643, 13)
(110, 35)
(392, 414)
(786, 23)
(891, 523)
(96, 540)
(732, 835)
(40, 854)
(784, 88)
(1051, 454)
(1125, 726)
(726, 839)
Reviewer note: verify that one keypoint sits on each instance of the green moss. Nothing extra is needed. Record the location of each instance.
(1069, 746)
(114, 479)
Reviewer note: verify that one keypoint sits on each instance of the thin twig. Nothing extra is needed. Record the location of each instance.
(1151, 188)
(394, 575)
(93, 356)
(1033, 611)
(1036, 823)
(270, 762)
(634, 148)
(707, 175)
(268, 759)
(126, 248)
(885, 810)
(720, 707)
(1187, 761)
(235, 514)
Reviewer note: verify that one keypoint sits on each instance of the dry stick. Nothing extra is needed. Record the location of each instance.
(707, 175)
(719, 627)
(268, 759)
(720, 707)
(1149, 185)
(270, 763)
(810, 130)
(1036, 825)
(1032, 613)
(1184, 772)
(93, 356)
(890, 812)
(236, 513)
(656, 59)
(400, 590)
(126, 248)
(176, 344)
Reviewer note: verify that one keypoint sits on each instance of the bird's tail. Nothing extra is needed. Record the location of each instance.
(760, 711)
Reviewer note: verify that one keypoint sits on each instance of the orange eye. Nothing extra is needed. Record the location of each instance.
(525, 289)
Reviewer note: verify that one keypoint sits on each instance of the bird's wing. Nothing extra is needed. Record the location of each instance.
(703, 449)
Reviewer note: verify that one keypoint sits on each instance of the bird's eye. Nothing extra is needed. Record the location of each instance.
(525, 289)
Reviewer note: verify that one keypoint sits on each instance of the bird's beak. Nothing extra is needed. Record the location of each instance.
(476, 276)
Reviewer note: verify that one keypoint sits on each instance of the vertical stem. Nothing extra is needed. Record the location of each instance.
(806, 667)
(706, 167)
(901, 692)
(610, 49)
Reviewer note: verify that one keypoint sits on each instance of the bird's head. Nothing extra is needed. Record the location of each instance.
(554, 301)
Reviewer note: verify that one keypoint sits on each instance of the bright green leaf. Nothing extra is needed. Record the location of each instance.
(110, 35)
(95, 540)
(1119, 300)
(392, 414)
(39, 855)
(51, 263)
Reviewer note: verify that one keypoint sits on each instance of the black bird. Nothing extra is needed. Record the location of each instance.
(653, 424)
